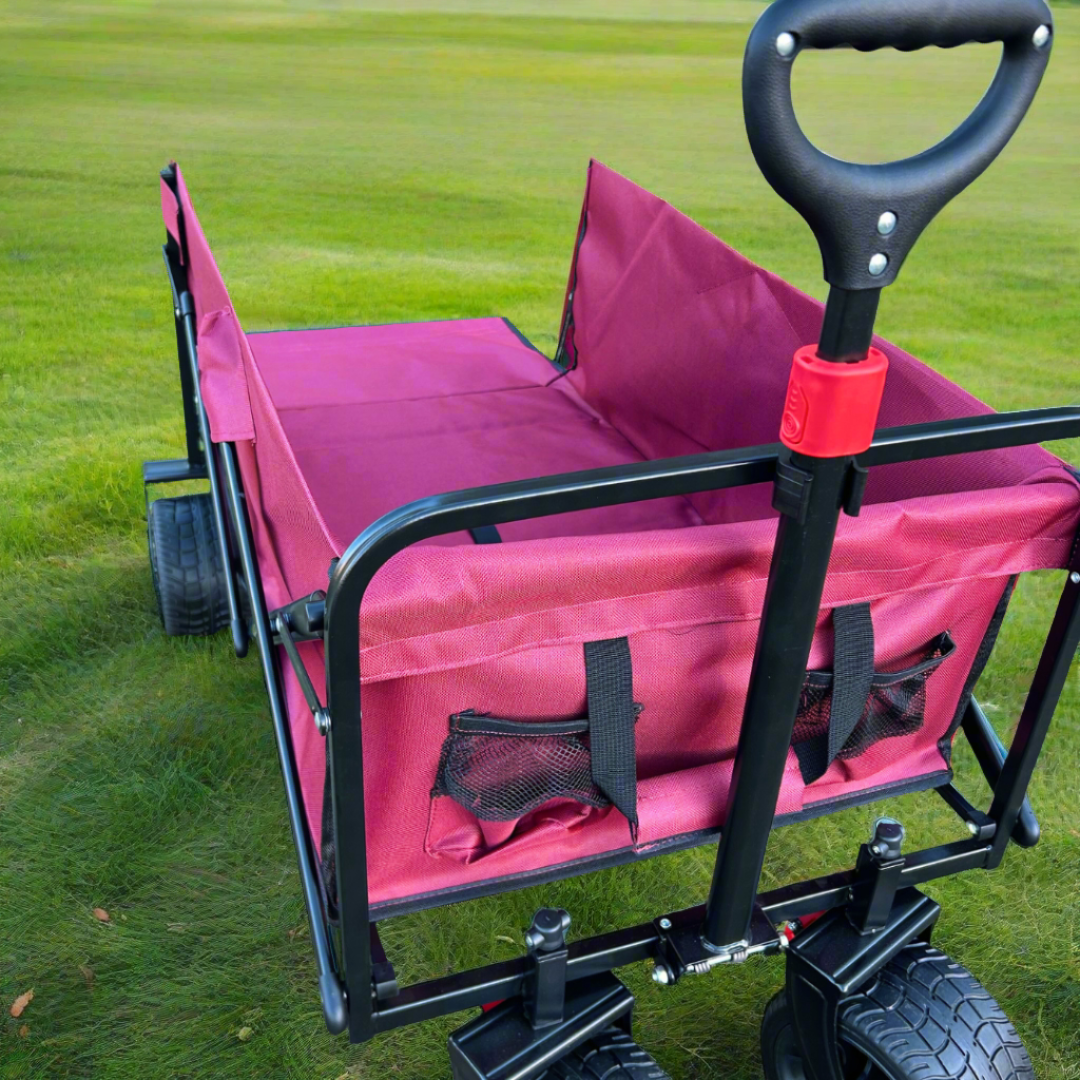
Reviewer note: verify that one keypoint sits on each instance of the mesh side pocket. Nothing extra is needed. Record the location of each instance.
(500, 770)
(896, 706)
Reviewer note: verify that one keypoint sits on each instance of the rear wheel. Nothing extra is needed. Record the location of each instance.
(185, 561)
(612, 1055)
(923, 1017)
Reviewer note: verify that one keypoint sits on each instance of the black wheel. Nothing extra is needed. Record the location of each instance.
(612, 1055)
(185, 562)
(922, 1018)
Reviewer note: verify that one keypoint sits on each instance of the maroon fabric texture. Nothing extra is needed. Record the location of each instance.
(221, 344)
(679, 345)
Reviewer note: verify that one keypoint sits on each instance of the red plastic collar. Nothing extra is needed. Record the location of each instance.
(831, 409)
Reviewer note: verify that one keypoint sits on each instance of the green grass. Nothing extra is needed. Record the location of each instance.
(423, 162)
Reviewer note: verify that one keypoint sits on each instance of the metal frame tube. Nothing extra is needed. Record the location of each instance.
(789, 617)
(1054, 663)
(605, 952)
(990, 752)
(239, 631)
(335, 1009)
(501, 503)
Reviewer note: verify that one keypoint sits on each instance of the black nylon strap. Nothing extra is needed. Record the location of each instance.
(610, 686)
(853, 673)
(485, 534)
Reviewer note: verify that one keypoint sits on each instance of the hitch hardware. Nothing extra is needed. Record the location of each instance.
(684, 950)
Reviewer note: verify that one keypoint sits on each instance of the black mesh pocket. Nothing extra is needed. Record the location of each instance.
(895, 706)
(500, 770)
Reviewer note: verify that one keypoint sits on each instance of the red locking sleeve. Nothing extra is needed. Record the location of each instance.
(831, 409)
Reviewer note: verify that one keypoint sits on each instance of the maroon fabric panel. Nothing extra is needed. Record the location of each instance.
(222, 379)
(685, 345)
(422, 409)
(681, 345)
(220, 341)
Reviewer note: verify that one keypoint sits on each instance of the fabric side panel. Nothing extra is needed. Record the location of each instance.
(222, 380)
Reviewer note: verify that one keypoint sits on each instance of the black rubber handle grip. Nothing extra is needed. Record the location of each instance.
(843, 202)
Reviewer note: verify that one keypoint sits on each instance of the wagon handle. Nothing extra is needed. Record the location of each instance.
(866, 218)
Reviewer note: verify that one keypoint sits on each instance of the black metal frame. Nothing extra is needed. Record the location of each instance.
(357, 984)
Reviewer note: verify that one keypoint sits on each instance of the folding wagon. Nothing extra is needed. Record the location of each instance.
(595, 613)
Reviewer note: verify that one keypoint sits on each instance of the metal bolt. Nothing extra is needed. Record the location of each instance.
(322, 722)
(1074, 577)
(877, 849)
(785, 43)
(661, 974)
(878, 263)
(1039, 38)
(973, 828)
(665, 924)
(886, 223)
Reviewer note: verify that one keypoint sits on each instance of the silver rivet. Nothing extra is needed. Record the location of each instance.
(785, 43)
(665, 924)
(973, 828)
(661, 975)
(878, 263)
(1074, 577)
(886, 223)
(1039, 38)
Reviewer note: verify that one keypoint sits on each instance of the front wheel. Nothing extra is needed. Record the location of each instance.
(612, 1055)
(923, 1017)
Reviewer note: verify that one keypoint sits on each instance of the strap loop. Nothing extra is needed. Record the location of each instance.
(612, 715)
(853, 674)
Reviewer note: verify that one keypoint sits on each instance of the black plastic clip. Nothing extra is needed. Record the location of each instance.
(855, 489)
(791, 491)
(879, 868)
(306, 617)
(545, 991)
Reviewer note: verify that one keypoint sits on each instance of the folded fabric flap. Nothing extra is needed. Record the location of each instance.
(222, 378)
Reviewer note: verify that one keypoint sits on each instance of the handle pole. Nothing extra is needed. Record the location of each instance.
(848, 327)
(866, 219)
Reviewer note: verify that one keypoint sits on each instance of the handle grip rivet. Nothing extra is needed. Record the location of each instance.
(878, 263)
(886, 223)
(1039, 38)
(785, 42)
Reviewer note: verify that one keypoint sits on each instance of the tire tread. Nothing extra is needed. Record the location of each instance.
(185, 562)
(934, 1021)
(611, 1055)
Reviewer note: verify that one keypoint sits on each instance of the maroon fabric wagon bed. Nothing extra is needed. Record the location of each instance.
(475, 655)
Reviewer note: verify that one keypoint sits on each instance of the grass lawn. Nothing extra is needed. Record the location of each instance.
(424, 161)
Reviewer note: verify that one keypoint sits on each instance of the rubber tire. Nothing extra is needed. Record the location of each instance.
(923, 1017)
(612, 1055)
(185, 562)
